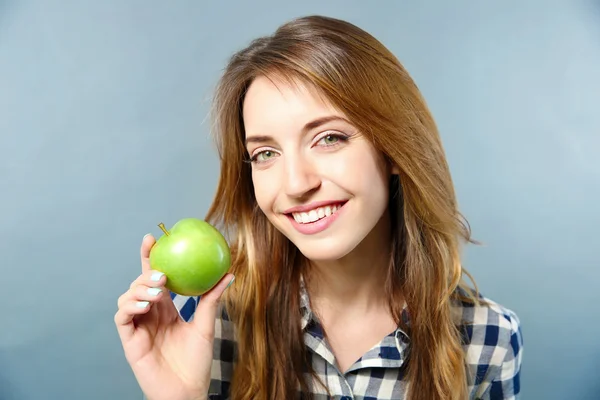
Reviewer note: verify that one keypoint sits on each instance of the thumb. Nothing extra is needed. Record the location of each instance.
(206, 312)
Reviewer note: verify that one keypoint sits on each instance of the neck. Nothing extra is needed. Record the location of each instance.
(356, 280)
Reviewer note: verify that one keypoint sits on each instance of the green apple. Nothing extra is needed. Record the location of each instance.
(193, 255)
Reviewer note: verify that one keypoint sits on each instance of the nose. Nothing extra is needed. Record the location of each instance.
(301, 177)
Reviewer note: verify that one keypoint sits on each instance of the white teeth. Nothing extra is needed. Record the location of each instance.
(315, 215)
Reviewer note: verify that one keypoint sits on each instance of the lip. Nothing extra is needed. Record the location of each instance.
(312, 228)
(313, 205)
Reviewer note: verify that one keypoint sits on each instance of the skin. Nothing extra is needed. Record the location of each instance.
(158, 344)
(333, 161)
(348, 258)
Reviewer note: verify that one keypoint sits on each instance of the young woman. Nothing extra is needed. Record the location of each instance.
(345, 235)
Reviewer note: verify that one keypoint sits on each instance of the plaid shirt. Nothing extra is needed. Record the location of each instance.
(492, 342)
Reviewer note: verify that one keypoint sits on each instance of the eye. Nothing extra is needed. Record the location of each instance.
(263, 156)
(331, 139)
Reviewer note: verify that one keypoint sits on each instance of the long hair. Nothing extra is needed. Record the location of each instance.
(363, 79)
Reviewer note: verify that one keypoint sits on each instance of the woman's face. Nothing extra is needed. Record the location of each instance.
(316, 178)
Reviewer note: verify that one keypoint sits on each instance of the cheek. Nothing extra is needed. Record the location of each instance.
(362, 170)
(265, 190)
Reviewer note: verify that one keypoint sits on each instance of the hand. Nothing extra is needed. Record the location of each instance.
(170, 358)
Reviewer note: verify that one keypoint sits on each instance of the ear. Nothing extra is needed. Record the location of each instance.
(395, 170)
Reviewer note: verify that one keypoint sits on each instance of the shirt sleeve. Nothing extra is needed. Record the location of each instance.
(507, 384)
(223, 357)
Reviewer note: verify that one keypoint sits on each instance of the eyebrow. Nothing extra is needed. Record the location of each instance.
(307, 127)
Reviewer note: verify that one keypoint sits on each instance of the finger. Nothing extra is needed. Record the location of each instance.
(124, 316)
(146, 290)
(149, 283)
(156, 279)
(147, 243)
(204, 317)
(150, 278)
(144, 293)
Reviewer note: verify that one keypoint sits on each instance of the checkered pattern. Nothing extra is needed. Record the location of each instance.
(492, 342)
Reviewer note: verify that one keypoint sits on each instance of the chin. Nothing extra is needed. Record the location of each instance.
(330, 245)
(326, 249)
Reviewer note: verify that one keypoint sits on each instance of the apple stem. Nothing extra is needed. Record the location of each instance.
(162, 227)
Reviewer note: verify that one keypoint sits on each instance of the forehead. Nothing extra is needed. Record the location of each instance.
(272, 104)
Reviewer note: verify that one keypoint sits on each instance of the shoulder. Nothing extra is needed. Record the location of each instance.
(493, 344)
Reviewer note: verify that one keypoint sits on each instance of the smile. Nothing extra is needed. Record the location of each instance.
(315, 218)
(315, 214)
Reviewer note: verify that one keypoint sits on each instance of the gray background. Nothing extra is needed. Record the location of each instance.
(103, 135)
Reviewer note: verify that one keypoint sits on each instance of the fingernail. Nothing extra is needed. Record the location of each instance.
(156, 276)
(145, 236)
(154, 291)
(230, 282)
(142, 304)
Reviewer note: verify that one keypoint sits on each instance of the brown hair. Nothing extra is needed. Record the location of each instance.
(363, 79)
